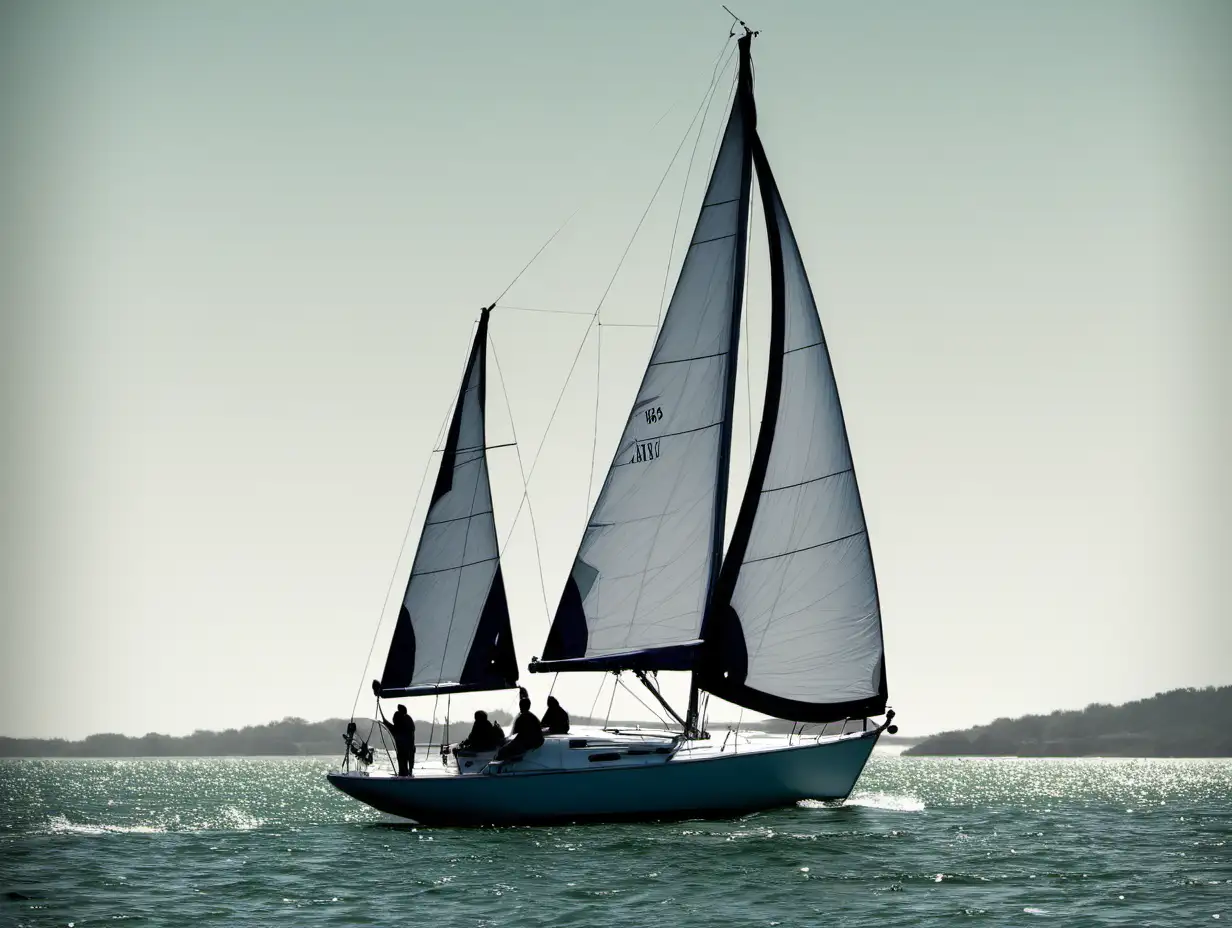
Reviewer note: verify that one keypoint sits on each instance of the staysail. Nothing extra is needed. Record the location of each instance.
(644, 571)
(453, 630)
(795, 626)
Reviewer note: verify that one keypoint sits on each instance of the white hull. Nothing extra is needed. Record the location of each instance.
(695, 782)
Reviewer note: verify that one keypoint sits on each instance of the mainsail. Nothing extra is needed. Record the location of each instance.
(795, 626)
(453, 631)
(644, 571)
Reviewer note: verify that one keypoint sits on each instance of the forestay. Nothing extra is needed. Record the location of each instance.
(453, 629)
(796, 626)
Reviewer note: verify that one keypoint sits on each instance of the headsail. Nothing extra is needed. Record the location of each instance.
(644, 572)
(795, 629)
(453, 629)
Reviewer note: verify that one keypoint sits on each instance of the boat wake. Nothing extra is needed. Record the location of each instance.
(885, 801)
(229, 819)
(60, 825)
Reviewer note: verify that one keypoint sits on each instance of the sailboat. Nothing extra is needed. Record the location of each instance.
(786, 622)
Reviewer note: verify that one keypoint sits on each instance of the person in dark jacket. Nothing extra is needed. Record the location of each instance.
(483, 736)
(527, 732)
(403, 729)
(555, 719)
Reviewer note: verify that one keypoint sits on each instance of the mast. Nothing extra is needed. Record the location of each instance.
(748, 108)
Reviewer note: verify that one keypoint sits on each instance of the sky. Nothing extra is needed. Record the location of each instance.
(244, 247)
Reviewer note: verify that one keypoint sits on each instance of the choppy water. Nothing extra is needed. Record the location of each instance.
(922, 842)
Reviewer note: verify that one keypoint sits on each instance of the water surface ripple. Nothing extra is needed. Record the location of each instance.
(924, 841)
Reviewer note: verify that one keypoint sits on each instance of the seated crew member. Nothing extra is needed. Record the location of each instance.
(483, 736)
(527, 732)
(555, 719)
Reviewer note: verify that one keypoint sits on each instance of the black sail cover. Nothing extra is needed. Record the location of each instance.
(453, 630)
(795, 626)
(644, 571)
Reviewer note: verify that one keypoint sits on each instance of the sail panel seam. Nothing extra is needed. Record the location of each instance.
(706, 241)
(441, 570)
(802, 483)
(700, 357)
(832, 541)
(485, 512)
(803, 348)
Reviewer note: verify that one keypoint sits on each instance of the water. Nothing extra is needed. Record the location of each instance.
(923, 841)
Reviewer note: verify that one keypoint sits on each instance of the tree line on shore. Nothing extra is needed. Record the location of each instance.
(1191, 722)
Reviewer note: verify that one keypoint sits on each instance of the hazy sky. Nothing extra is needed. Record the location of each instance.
(244, 246)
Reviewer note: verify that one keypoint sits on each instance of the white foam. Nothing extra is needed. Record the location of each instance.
(60, 825)
(230, 819)
(887, 802)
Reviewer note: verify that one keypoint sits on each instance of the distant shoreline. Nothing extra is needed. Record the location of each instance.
(294, 737)
(1179, 724)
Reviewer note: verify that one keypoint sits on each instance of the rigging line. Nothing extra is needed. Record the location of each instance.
(542, 441)
(381, 731)
(552, 237)
(594, 442)
(595, 316)
(538, 309)
(410, 522)
(714, 82)
(653, 197)
(595, 701)
(543, 586)
(608, 718)
(658, 718)
(542, 247)
(431, 731)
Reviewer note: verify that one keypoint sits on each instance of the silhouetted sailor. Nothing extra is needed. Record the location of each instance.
(527, 732)
(555, 719)
(483, 736)
(403, 729)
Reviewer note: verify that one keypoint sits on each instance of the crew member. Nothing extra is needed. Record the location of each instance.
(527, 732)
(555, 719)
(403, 729)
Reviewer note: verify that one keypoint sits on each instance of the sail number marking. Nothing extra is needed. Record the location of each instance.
(648, 450)
(645, 451)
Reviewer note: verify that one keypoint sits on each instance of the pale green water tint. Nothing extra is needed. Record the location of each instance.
(923, 841)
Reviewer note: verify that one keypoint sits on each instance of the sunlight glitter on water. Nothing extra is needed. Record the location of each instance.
(923, 841)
